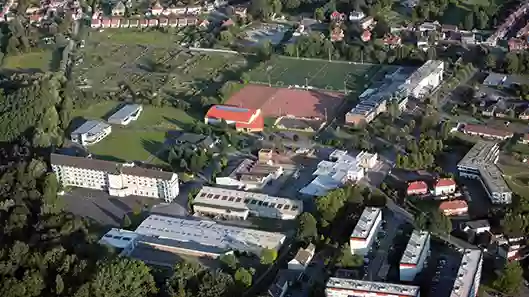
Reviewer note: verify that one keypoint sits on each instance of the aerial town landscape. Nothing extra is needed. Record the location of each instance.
(282, 148)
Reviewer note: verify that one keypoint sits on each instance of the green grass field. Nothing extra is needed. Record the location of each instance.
(125, 144)
(33, 60)
(517, 178)
(132, 36)
(320, 74)
(140, 140)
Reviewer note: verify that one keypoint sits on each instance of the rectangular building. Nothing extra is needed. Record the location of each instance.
(342, 287)
(126, 114)
(365, 230)
(195, 237)
(480, 163)
(90, 132)
(233, 204)
(468, 274)
(486, 132)
(415, 255)
(250, 175)
(117, 179)
(425, 79)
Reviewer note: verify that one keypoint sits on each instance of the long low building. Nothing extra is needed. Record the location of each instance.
(414, 257)
(90, 132)
(126, 114)
(234, 204)
(118, 179)
(192, 237)
(480, 163)
(342, 287)
(365, 230)
(468, 275)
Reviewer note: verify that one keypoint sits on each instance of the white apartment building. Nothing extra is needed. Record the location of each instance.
(341, 168)
(233, 204)
(424, 79)
(126, 114)
(192, 237)
(117, 179)
(480, 163)
(342, 287)
(91, 132)
(365, 231)
(414, 257)
(468, 274)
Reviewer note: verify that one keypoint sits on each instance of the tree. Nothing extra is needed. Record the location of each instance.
(268, 256)
(319, 14)
(243, 277)
(512, 62)
(469, 21)
(59, 284)
(511, 279)
(125, 222)
(347, 260)
(123, 277)
(229, 261)
(307, 227)
(291, 4)
(440, 223)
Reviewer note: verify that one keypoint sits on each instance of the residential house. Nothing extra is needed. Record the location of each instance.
(490, 111)
(227, 23)
(337, 16)
(392, 40)
(366, 36)
(367, 22)
(454, 207)
(197, 141)
(468, 38)
(356, 16)
(486, 132)
(157, 9)
(337, 34)
(524, 115)
(444, 186)
(516, 44)
(119, 9)
(302, 258)
(476, 227)
(524, 139)
(417, 188)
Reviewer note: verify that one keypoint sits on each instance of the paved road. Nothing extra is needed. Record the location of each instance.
(378, 266)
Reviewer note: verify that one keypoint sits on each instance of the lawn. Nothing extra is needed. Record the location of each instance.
(321, 74)
(517, 178)
(34, 60)
(132, 36)
(125, 144)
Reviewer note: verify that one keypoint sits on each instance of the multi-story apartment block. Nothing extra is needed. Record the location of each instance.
(468, 274)
(365, 230)
(480, 163)
(118, 179)
(342, 287)
(414, 257)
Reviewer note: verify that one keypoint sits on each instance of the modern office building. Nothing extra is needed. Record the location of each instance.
(126, 114)
(425, 79)
(365, 231)
(118, 179)
(480, 163)
(90, 132)
(414, 257)
(342, 287)
(468, 274)
(233, 204)
(340, 169)
(191, 237)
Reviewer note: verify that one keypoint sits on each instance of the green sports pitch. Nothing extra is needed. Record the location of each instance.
(319, 74)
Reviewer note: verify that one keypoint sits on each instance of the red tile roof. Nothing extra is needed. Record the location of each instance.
(256, 124)
(231, 113)
(484, 130)
(445, 182)
(453, 205)
(417, 186)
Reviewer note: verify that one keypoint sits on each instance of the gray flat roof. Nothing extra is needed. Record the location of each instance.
(470, 264)
(91, 127)
(124, 112)
(415, 246)
(366, 222)
(341, 284)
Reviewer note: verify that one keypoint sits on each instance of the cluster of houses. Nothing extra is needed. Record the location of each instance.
(46, 10)
(336, 33)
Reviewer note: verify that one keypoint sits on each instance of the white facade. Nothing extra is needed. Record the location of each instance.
(302, 258)
(341, 287)
(425, 79)
(341, 168)
(91, 132)
(443, 190)
(468, 274)
(233, 204)
(126, 114)
(250, 175)
(414, 257)
(365, 231)
(115, 178)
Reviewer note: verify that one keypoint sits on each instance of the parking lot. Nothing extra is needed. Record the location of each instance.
(439, 274)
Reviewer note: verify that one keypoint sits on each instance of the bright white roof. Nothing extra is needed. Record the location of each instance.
(415, 247)
(124, 112)
(92, 127)
(366, 222)
(208, 233)
(375, 287)
(118, 238)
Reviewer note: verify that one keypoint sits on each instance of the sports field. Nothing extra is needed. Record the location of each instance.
(320, 74)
